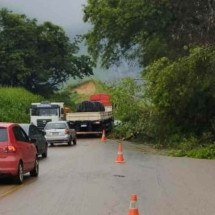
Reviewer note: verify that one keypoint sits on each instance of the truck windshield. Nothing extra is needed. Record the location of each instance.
(41, 111)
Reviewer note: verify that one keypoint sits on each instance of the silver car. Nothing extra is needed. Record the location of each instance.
(59, 132)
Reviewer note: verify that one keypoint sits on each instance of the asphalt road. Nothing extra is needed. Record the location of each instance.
(85, 180)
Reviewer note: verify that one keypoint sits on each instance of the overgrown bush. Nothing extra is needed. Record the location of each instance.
(182, 95)
(174, 106)
(128, 108)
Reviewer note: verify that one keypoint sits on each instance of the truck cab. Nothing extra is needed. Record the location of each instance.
(41, 113)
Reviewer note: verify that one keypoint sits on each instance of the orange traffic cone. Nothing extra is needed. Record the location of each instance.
(120, 158)
(133, 210)
(103, 139)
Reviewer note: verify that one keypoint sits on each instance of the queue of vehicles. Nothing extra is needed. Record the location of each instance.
(21, 144)
(91, 117)
(50, 123)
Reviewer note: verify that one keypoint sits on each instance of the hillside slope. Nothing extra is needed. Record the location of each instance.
(87, 88)
(84, 90)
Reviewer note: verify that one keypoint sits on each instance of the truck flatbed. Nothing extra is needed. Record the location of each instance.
(88, 116)
(90, 122)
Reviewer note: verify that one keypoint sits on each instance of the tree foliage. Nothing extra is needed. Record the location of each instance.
(127, 107)
(36, 56)
(147, 29)
(174, 42)
(182, 93)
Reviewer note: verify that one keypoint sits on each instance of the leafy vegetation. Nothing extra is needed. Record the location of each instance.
(127, 108)
(183, 93)
(38, 57)
(15, 104)
(174, 43)
(147, 30)
(174, 108)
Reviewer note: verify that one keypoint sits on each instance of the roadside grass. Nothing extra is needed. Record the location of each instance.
(201, 152)
(202, 148)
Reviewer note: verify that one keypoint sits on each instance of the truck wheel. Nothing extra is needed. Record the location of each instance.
(19, 178)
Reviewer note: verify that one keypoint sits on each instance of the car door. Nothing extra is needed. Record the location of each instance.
(35, 133)
(42, 138)
(26, 149)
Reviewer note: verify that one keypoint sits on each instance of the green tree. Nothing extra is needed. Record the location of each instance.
(37, 57)
(147, 29)
(182, 93)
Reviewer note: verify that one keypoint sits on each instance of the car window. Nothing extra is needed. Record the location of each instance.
(3, 135)
(55, 126)
(20, 135)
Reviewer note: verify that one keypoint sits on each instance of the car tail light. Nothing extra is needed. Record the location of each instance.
(66, 131)
(9, 149)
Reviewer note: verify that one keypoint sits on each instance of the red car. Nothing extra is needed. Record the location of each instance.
(18, 155)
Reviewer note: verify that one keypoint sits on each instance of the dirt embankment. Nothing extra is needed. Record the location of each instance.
(87, 88)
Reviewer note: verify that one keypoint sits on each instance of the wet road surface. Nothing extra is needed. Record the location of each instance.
(85, 180)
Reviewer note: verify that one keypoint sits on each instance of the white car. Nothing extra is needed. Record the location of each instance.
(59, 132)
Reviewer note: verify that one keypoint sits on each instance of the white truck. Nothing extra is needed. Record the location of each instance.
(94, 121)
(41, 113)
(90, 122)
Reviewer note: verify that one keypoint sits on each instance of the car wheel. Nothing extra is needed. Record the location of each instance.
(44, 154)
(51, 144)
(70, 143)
(74, 141)
(35, 171)
(19, 178)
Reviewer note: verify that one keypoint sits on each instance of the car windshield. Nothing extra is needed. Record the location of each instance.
(55, 126)
(3, 135)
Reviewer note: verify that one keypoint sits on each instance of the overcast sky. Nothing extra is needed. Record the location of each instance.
(69, 15)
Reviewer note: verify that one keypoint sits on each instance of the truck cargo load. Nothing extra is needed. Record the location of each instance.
(90, 106)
